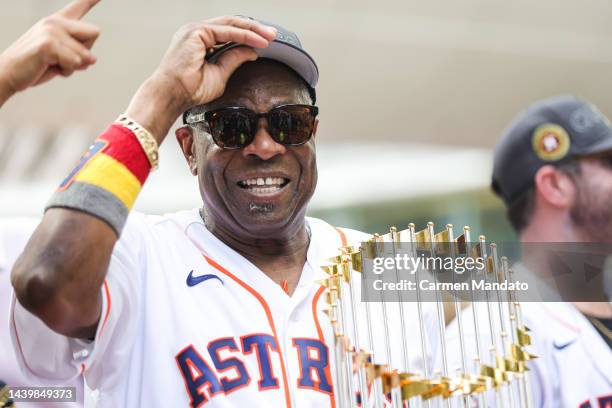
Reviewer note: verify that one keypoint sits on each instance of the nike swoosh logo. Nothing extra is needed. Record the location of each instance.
(561, 346)
(194, 280)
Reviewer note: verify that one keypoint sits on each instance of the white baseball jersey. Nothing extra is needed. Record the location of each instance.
(187, 321)
(574, 364)
(14, 234)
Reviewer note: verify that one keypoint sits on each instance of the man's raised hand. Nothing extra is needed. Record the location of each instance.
(184, 78)
(59, 44)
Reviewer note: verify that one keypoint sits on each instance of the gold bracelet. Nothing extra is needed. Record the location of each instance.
(145, 138)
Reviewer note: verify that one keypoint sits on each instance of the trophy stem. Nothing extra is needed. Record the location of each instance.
(347, 352)
(440, 312)
(492, 332)
(482, 400)
(420, 314)
(361, 375)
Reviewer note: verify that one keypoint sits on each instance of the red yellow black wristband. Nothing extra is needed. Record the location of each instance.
(107, 179)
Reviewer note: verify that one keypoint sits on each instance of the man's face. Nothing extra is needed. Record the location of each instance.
(592, 210)
(231, 180)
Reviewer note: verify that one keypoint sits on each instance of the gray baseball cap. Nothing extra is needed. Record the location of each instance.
(550, 131)
(286, 48)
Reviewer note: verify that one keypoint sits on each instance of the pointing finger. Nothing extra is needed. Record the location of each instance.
(77, 8)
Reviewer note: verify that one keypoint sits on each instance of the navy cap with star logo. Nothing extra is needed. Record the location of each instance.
(550, 131)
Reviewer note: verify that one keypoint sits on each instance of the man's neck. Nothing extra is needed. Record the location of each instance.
(282, 259)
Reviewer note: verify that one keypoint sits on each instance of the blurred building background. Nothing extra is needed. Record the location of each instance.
(413, 95)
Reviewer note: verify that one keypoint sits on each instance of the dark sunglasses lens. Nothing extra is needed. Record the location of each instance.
(291, 125)
(231, 129)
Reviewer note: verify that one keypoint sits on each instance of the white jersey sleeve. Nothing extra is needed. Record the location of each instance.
(14, 234)
(49, 356)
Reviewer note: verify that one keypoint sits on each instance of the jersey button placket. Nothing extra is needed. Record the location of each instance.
(291, 360)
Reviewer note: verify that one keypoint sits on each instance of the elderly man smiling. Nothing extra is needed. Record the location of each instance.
(217, 305)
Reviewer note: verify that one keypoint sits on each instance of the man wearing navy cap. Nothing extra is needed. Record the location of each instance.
(553, 170)
(561, 145)
(217, 305)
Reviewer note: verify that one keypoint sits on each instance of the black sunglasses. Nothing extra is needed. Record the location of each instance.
(235, 128)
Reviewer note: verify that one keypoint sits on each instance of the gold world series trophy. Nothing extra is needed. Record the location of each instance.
(384, 351)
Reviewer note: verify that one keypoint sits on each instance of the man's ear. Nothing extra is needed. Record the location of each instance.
(555, 187)
(185, 138)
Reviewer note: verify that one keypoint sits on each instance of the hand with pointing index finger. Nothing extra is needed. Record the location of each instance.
(58, 44)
